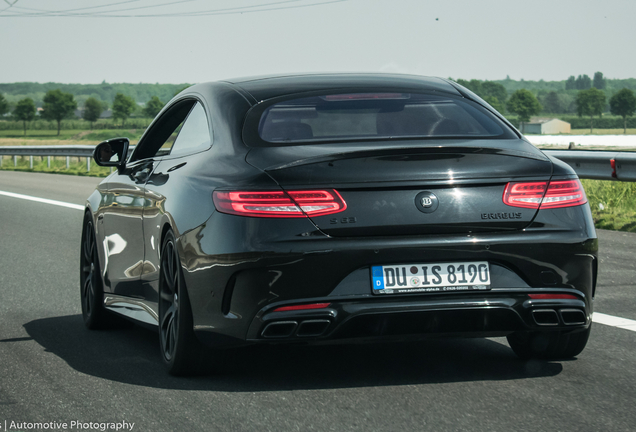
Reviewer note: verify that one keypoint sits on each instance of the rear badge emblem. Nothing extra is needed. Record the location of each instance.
(426, 202)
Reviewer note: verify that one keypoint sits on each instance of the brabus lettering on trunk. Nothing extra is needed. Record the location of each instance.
(515, 215)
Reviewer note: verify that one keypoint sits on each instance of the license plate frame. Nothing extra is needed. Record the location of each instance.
(430, 277)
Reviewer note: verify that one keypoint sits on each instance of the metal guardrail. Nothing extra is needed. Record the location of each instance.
(599, 164)
(61, 150)
(69, 151)
(588, 164)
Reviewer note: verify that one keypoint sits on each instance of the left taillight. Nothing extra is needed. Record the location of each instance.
(283, 204)
(553, 194)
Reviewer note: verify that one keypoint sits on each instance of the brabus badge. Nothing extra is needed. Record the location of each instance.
(426, 202)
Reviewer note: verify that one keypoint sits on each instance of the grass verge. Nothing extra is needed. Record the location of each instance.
(58, 166)
(613, 204)
(630, 131)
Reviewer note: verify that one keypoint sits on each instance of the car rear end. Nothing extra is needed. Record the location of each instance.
(399, 214)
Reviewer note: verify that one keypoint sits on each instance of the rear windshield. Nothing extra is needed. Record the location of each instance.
(363, 116)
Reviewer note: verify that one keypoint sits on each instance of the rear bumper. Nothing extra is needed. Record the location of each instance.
(242, 269)
(497, 313)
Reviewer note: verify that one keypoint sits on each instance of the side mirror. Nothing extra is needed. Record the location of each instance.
(112, 153)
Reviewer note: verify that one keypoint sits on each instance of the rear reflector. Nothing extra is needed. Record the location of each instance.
(554, 194)
(553, 297)
(302, 307)
(279, 203)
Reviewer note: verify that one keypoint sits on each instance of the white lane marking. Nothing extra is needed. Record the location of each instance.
(613, 321)
(42, 200)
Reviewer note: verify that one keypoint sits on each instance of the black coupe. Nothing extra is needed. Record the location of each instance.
(333, 208)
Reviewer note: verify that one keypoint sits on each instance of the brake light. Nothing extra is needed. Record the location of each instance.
(279, 203)
(302, 307)
(553, 297)
(365, 96)
(554, 194)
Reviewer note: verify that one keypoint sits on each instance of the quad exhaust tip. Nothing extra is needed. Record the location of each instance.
(550, 317)
(280, 329)
(284, 329)
(573, 316)
(545, 317)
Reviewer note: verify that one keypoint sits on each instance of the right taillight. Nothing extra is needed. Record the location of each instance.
(554, 194)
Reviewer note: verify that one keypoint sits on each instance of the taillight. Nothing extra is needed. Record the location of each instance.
(279, 203)
(554, 194)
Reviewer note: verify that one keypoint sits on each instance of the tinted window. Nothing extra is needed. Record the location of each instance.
(362, 116)
(182, 129)
(159, 139)
(194, 135)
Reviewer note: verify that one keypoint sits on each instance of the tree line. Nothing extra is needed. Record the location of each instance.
(588, 99)
(105, 92)
(582, 95)
(58, 105)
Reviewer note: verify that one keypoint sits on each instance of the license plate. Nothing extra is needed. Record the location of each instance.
(437, 277)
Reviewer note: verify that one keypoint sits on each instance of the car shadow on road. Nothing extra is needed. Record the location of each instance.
(131, 355)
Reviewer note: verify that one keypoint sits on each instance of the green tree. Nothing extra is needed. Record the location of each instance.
(58, 106)
(25, 111)
(123, 107)
(494, 102)
(153, 107)
(4, 105)
(623, 104)
(570, 84)
(92, 110)
(491, 89)
(590, 102)
(552, 103)
(524, 104)
(583, 82)
(599, 81)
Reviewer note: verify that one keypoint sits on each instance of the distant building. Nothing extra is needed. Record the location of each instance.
(546, 126)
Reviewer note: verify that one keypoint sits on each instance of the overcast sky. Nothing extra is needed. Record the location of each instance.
(190, 41)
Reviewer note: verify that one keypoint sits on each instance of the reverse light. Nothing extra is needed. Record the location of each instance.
(279, 203)
(302, 307)
(554, 194)
(553, 297)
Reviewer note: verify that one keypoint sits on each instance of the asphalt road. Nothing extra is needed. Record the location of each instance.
(54, 370)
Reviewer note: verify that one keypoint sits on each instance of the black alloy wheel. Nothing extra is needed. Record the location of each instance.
(549, 345)
(91, 289)
(181, 352)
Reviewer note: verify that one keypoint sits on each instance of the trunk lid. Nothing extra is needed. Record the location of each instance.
(441, 186)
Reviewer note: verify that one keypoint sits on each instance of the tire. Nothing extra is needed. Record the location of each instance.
(91, 288)
(181, 351)
(549, 345)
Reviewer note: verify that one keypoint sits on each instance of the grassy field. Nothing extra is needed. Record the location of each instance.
(601, 132)
(58, 166)
(613, 204)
